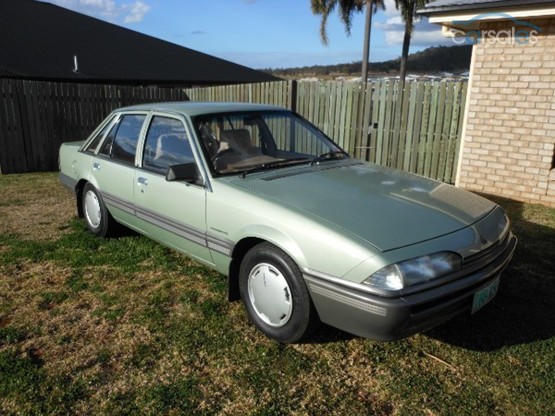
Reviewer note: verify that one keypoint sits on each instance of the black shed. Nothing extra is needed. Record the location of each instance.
(62, 72)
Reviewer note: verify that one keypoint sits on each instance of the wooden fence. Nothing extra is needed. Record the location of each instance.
(417, 130)
(36, 117)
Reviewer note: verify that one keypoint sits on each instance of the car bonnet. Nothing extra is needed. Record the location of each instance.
(387, 208)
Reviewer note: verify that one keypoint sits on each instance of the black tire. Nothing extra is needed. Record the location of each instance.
(275, 295)
(99, 221)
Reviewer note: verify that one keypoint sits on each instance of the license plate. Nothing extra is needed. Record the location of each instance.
(482, 297)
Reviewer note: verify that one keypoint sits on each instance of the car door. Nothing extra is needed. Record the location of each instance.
(113, 167)
(173, 212)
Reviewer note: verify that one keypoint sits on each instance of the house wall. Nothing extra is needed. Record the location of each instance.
(508, 146)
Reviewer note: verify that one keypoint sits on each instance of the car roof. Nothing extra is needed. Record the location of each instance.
(194, 108)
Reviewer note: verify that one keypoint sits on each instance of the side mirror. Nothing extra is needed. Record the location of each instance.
(187, 172)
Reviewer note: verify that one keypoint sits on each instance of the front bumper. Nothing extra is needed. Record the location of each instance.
(389, 319)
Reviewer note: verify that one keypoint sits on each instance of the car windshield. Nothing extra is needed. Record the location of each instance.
(249, 141)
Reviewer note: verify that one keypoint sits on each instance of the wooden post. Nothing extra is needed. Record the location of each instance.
(292, 104)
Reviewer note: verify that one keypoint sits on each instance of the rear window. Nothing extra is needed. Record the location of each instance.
(121, 141)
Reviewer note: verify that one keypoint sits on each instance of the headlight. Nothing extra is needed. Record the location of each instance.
(411, 272)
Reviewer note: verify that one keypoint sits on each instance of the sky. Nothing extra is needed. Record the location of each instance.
(260, 33)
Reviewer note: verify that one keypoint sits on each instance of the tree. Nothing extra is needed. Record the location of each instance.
(408, 10)
(346, 10)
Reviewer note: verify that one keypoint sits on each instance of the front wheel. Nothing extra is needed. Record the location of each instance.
(98, 219)
(275, 295)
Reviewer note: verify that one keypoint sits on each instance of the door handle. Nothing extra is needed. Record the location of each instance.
(142, 181)
(96, 166)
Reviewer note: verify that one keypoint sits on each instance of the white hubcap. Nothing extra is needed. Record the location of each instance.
(270, 295)
(92, 209)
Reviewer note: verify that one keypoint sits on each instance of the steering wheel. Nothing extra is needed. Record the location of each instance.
(215, 159)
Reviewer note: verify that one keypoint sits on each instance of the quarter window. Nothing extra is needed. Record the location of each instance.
(166, 145)
(106, 148)
(93, 145)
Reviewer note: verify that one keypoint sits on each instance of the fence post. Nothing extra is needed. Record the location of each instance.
(292, 87)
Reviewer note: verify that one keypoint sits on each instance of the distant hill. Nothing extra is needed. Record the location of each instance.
(430, 61)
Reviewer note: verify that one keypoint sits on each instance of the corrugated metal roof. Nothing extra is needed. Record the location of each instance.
(40, 40)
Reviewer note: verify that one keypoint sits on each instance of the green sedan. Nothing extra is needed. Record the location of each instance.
(305, 233)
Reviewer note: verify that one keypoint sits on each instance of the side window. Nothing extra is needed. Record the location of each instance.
(166, 145)
(106, 148)
(93, 145)
(121, 141)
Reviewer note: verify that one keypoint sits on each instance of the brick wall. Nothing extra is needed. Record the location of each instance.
(509, 135)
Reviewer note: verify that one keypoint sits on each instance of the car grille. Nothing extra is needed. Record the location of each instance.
(461, 299)
(487, 255)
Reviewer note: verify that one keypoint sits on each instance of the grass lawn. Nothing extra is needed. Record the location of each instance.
(126, 326)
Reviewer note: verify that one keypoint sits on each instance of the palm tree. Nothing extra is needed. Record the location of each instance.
(408, 13)
(346, 10)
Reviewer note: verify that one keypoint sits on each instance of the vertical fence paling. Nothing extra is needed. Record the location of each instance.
(415, 128)
(37, 116)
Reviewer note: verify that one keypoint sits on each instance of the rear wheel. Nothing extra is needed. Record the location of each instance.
(98, 219)
(275, 295)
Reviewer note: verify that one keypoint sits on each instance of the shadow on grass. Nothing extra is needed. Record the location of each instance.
(326, 334)
(524, 309)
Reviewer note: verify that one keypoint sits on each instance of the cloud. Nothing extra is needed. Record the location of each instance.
(424, 34)
(419, 38)
(390, 9)
(102, 9)
(136, 11)
(199, 32)
(109, 10)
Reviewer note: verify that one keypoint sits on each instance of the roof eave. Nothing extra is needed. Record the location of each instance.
(430, 10)
(450, 15)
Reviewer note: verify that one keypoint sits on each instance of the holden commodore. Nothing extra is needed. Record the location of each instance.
(304, 233)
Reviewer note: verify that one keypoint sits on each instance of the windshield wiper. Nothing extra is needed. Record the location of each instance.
(336, 154)
(275, 164)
